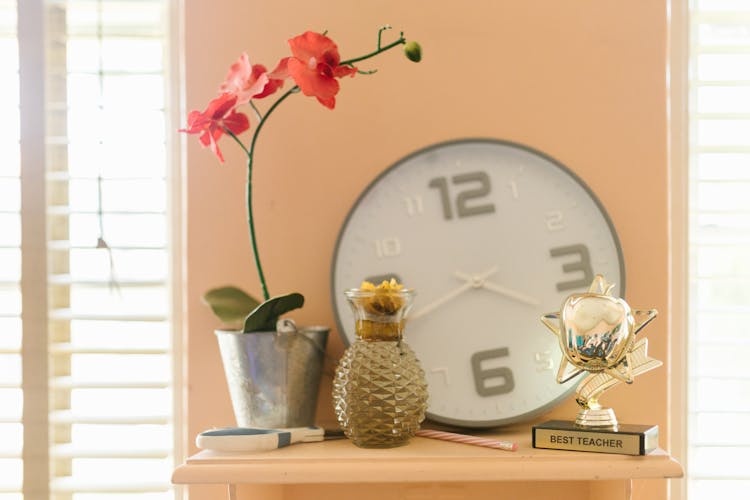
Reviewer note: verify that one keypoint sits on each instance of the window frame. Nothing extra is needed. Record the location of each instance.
(678, 181)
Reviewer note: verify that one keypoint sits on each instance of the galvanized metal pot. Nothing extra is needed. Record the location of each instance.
(273, 377)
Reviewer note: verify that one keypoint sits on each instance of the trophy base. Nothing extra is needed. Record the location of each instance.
(623, 440)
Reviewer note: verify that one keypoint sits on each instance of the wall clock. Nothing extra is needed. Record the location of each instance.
(492, 235)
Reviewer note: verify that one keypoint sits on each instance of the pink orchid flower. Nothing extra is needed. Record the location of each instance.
(220, 115)
(314, 67)
(248, 81)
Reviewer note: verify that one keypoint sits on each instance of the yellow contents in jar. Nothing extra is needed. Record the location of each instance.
(385, 298)
(381, 305)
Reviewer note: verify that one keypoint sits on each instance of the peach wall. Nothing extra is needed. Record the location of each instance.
(583, 81)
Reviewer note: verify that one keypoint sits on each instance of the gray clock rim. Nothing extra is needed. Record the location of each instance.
(478, 424)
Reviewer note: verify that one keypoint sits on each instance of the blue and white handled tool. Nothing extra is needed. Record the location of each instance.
(252, 439)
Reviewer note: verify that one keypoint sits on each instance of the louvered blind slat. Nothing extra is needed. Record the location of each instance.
(67, 417)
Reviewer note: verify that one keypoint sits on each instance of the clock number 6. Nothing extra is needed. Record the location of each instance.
(463, 209)
(482, 375)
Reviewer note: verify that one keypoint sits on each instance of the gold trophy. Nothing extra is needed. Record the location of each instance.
(597, 334)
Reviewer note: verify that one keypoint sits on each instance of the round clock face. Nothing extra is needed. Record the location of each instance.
(491, 235)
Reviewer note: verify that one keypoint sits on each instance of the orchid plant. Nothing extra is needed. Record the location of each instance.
(315, 68)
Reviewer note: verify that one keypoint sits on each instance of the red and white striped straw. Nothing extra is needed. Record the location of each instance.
(466, 439)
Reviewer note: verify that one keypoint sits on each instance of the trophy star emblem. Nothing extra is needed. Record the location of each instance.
(597, 334)
(595, 384)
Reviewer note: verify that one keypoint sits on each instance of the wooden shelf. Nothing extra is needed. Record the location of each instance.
(421, 461)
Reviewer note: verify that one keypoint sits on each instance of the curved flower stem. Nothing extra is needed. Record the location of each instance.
(249, 187)
(251, 226)
(236, 139)
(258, 116)
(380, 33)
(401, 41)
(262, 122)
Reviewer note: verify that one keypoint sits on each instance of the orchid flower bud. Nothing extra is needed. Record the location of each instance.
(413, 51)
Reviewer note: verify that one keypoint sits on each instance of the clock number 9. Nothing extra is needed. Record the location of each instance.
(482, 375)
(463, 197)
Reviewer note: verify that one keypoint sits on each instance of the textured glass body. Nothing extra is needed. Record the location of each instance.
(379, 392)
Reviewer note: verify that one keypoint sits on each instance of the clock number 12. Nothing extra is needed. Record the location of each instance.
(463, 208)
(482, 376)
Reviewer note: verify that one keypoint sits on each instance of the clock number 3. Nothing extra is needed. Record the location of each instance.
(463, 208)
(582, 265)
(491, 381)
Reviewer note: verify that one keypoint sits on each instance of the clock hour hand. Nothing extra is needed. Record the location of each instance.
(481, 282)
(452, 294)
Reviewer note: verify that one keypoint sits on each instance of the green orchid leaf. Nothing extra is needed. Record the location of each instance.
(230, 304)
(265, 316)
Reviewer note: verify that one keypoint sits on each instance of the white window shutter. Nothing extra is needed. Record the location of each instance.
(719, 250)
(85, 252)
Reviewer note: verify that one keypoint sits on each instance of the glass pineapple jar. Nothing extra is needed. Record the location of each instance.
(379, 391)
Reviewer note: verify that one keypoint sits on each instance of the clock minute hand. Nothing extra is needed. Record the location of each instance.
(502, 290)
(521, 297)
(442, 300)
